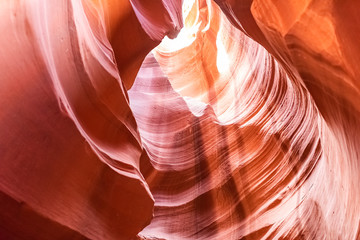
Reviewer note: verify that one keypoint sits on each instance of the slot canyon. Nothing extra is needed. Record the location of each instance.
(179, 119)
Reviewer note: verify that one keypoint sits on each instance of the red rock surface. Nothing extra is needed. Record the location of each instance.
(170, 119)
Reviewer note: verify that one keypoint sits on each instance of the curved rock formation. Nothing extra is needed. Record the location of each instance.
(169, 119)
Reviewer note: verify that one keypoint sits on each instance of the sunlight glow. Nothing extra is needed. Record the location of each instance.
(188, 33)
(222, 59)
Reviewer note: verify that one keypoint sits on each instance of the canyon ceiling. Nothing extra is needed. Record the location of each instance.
(170, 119)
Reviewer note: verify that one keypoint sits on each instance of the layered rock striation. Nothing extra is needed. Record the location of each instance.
(168, 119)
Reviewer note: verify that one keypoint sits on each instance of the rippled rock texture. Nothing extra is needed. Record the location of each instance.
(169, 119)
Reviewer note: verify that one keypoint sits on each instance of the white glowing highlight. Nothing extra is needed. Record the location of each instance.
(187, 34)
(222, 59)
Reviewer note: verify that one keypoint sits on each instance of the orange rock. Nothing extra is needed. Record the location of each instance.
(169, 119)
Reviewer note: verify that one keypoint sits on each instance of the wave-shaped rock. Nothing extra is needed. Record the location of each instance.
(243, 123)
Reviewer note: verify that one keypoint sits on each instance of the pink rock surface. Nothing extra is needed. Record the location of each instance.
(171, 119)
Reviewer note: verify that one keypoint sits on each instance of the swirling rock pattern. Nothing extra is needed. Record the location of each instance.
(165, 119)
